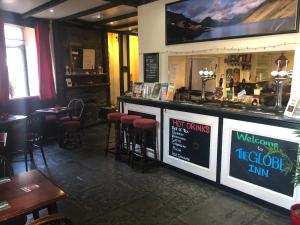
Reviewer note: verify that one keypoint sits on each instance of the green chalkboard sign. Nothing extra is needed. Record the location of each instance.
(250, 162)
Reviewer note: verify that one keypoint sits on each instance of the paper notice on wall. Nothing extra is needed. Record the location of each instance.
(88, 59)
(173, 72)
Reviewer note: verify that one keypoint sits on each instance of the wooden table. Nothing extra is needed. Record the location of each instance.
(11, 119)
(23, 203)
(54, 111)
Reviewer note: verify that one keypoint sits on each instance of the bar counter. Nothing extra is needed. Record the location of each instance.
(225, 143)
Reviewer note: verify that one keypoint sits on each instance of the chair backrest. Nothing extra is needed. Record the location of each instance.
(77, 106)
(6, 169)
(34, 125)
(3, 137)
(54, 219)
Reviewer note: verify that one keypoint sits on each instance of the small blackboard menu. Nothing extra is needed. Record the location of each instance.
(151, 67)
(189, 142)
(250, 162)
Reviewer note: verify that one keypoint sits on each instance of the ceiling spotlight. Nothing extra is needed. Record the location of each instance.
(111, 23)
(98, 16)
(129, 28)
(51, 10)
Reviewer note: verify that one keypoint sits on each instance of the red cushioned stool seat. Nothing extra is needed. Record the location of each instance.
(128, 119)
(115, 116)
(144, 123)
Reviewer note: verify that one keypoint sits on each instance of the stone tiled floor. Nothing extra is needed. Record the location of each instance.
(103, 191)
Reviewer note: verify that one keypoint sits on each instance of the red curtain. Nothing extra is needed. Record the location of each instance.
(46, 81)
(4, 82)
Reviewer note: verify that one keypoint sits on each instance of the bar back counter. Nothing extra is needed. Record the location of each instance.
(225, 144)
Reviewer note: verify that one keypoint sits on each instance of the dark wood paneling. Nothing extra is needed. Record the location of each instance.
(66, 36)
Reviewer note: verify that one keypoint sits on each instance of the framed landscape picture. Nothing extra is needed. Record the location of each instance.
(205, 20)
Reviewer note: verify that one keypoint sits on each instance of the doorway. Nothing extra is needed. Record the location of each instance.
(123, 63)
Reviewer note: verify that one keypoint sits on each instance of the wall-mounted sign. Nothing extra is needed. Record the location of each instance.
(250, 162)
(189, 141)
(151, 67)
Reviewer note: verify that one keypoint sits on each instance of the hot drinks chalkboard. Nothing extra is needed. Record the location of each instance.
(189, 141)
(250, 162)
(151, 67)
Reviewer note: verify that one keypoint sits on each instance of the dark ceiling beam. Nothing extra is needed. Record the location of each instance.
(16, 18)
(91, 11)
(134, 3)
(116, 18)
(42, 8)
(124, 25)
(123, 2)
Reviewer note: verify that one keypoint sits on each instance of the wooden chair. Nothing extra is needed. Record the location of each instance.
(54, 219)
(72, 124)
(6, 169)
(3, 138)
(34, 137)
(76, 107)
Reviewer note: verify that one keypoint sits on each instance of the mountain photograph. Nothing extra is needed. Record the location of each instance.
(200, 20)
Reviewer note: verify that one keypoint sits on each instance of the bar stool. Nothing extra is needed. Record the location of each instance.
(127, 131)
(141, 128)
(114, 118)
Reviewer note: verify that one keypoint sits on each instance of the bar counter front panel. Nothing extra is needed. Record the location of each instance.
(192, 134)
(150, 113)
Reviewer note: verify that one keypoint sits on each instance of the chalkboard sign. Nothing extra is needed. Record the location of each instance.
(189, 142)
(151, 67)
(250, 162)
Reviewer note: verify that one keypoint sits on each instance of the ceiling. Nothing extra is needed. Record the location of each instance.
(118, 15)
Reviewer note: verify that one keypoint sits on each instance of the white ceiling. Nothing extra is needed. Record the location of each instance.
(71, 7)
(120, 22)
(20, 6)
(109, 13)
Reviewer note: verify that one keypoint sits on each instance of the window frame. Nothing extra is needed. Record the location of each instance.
(22, 47)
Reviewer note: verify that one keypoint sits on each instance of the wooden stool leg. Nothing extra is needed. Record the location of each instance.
(133, 147)
(117, 140)
(26, 163)
(143, 145)
(36, 214)
(128, 139)
(155, 146)
(107, 138)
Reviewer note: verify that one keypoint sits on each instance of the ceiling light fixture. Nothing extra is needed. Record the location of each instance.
(112, 23)
(51, 10)
(129, 28)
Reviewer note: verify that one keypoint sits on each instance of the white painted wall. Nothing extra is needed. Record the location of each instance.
(151, 20)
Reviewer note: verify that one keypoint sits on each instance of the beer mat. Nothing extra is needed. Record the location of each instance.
(4, 205)
(30, 187)
(5, 180)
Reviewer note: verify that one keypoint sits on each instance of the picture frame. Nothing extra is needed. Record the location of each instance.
(220, 19)
(69, 82)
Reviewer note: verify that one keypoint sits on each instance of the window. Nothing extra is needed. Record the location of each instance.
(21, 61)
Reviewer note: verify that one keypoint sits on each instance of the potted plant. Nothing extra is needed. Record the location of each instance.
(289, 167)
